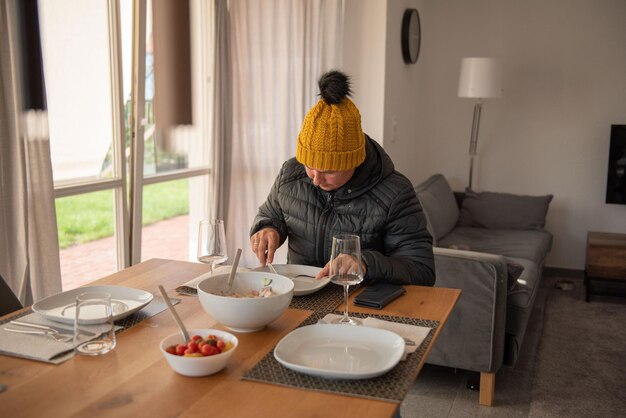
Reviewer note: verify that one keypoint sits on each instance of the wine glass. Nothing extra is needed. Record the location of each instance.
(345, 269)
(212, 243)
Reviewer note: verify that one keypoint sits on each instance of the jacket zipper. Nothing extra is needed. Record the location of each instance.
(321, 235)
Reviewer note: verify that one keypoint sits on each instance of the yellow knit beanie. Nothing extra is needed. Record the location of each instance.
(331, 137)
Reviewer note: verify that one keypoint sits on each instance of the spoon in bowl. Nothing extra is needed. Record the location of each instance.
(233, 270)
(179, 322)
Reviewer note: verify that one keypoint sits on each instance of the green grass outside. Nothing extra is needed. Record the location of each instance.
(89, 217)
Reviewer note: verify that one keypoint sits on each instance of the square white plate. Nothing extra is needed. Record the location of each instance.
(62, 306)
(302, 285)
(340, 351)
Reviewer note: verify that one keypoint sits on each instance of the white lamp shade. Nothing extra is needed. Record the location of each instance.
(480, 78)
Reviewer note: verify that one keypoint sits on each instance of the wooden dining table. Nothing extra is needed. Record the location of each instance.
(134, 380)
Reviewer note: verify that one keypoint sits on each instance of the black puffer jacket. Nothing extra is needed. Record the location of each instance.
(378, 204)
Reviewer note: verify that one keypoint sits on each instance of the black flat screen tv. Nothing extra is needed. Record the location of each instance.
(616, 178)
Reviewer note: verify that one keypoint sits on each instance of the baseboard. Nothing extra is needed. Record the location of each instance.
(561, 272)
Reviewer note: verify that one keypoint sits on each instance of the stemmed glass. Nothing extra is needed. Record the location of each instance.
(345, 269)
(212, 243)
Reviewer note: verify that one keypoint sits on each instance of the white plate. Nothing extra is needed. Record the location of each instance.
(302, 285)
(61, 307)
(340, 351)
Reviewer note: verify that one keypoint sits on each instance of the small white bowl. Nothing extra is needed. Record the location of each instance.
(198, 366)
(245, 314)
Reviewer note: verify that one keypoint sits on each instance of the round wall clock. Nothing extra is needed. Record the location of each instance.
(410, 36)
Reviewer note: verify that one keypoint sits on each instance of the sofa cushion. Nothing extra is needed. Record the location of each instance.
(439, 205)
(514, 270)
(527, 244)
(504, 210)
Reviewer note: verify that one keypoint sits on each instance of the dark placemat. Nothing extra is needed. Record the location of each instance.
(325, 300)
(391, 386)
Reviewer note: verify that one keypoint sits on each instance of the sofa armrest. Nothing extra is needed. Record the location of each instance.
(473, 337)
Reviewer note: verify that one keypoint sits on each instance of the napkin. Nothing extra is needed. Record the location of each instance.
(412, 332)
(38, 347)
(191, 287)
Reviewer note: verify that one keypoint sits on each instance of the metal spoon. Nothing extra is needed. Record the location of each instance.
(180, 324)
(233, 270)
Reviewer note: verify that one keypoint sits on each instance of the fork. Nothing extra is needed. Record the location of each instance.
(271, 267)
(52, 333)
(304, 275)
(310, 277)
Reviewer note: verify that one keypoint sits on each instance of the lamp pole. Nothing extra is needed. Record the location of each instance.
(480, 78)
(474, 139)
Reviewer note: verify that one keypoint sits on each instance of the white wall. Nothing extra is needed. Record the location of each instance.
(565, 84)
(364, 45)
(401, 81)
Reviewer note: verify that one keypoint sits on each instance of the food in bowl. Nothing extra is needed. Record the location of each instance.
(196, 364)
(266, 291)
(245, 314)
(199, 347)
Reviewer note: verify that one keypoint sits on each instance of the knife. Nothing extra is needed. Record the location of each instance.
(49, 328)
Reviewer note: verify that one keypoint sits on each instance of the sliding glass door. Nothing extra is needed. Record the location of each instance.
(125, 190)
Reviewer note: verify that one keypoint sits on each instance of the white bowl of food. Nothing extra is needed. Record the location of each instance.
(206, 353)
(255, 299)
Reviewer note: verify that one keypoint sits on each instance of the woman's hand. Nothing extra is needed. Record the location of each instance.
(343, 264)
(264, 244)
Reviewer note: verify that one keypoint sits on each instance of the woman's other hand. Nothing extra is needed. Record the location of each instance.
(343, 264)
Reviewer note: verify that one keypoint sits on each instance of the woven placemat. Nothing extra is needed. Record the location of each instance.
(324, 300)
(391, 386)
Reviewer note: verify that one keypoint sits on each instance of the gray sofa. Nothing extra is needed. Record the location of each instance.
(492, 246)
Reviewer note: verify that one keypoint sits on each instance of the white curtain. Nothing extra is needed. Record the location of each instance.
(222, 116)
(279, 49)
(29, 247)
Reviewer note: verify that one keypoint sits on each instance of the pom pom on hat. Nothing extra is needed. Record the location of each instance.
(334, 87)
(331, 137)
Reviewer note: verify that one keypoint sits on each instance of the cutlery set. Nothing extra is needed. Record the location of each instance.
(273, 270)
(296, 276)
(57, 333)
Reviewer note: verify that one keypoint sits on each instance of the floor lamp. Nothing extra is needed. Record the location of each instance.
(480, 79)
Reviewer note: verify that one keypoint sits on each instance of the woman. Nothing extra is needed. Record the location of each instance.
(343, 182)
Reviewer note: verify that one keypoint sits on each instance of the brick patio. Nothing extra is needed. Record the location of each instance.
(87, 262)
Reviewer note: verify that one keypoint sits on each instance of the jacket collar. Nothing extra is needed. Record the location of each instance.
(377, 166)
